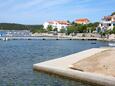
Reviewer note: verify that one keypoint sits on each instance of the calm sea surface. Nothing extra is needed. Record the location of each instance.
(18, 56)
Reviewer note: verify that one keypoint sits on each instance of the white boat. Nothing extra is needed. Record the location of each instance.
(112, 44)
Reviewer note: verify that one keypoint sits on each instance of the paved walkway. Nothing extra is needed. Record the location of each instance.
(61, 66)
(102, 63)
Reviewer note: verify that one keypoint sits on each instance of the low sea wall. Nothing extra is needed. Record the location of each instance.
(61, 66)
(49, 37)
(55, 38)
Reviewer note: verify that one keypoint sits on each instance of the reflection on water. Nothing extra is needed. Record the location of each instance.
(55, 80)
(18, 56)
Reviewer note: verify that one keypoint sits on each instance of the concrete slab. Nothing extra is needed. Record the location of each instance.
(102, 63)
(61, 66)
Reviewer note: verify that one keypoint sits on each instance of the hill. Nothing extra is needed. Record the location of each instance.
(14, 26)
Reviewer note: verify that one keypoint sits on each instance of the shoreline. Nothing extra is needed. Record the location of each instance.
(61, 66)
(55, 38)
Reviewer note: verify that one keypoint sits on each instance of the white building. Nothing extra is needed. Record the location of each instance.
(56, 24)
(107, 22)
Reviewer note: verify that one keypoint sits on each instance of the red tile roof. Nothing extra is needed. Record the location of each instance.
(59, 22)
(82, 20)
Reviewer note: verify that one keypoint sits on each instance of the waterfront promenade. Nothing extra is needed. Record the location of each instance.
(102, 63)
(65, 67)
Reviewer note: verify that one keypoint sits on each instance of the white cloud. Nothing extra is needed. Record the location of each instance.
(39, 4)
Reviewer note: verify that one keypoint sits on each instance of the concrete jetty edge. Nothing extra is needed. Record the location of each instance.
(61, 66)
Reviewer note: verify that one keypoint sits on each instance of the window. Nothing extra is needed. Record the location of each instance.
(109, 24)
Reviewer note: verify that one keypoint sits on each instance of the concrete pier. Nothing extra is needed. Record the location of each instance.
(48, 38)
(54, 38)
(61, 66)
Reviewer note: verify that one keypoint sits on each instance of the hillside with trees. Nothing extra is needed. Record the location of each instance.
(13, 26)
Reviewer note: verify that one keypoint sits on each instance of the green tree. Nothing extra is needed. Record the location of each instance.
(73, 23)
(63, 31)
(55, 29)
(96, 24)
(98, 29)
(113, 31)
(71, 29)
(81, 28)
(49, 28)
(90, 25)
(102, 34)
(90, 29)
(113, 14)
(38, 30)
(107, 32)
(13, 26)
(68, 21)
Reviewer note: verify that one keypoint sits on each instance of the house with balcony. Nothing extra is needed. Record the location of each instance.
(56, 25)
(107, 23)
(82, 21)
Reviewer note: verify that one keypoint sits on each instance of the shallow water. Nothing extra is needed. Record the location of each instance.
(18, 56)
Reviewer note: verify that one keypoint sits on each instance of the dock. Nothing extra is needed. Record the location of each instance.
(62, 66)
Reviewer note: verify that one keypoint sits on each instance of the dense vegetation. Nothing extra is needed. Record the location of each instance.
(38, 30)
(13, 26)
(113, 14)
(80, 28)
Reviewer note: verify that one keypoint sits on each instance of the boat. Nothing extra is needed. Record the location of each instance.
(112, 44)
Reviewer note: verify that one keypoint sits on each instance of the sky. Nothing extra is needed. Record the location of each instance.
(39, 11)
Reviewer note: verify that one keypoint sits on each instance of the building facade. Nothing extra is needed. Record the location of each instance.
(107, 23)
(56, 24)
(82, 21)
